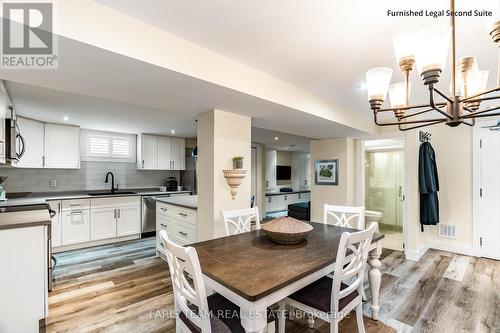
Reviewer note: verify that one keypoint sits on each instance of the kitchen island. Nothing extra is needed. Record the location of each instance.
(178, 216)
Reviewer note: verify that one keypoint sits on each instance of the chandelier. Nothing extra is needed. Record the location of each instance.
(428, 49)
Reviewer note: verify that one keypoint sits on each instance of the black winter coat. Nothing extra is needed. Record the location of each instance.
(428, 186)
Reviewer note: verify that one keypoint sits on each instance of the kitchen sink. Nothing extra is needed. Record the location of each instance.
(100, 193)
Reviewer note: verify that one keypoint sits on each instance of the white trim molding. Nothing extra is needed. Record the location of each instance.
(468, 250)
(415, 255)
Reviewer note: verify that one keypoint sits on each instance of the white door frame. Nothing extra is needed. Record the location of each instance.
(360, 177)
(476, 183)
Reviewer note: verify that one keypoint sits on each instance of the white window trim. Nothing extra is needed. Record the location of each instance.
(110, 136)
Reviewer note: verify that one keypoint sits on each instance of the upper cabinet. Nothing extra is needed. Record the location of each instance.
(271, 160)
(156, 152)
(49, 145)
(4, 106)
(62, 146)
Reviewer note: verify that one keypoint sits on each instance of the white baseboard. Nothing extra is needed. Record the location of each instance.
(453, 247)
(415, 255)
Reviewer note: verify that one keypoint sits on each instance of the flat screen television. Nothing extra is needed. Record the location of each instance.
(283, 172)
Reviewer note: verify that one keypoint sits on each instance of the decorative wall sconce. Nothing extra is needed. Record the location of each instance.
(234, 178)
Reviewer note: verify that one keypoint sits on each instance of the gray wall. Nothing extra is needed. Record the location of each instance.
(89, 177)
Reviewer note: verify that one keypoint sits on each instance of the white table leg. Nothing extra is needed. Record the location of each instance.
(254, 320)
(375, 277)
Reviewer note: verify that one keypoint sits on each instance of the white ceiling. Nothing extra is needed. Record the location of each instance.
(285, 141)
(88, 71)
(323, 46)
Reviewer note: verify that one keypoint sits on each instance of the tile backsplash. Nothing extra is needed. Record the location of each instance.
(89, 177)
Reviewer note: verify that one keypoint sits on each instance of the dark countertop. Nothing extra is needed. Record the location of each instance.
(270, 194)
(186, 201)
(26, 198)
(24, 216)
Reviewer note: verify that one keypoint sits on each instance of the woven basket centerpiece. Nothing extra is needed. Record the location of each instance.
(287, 230)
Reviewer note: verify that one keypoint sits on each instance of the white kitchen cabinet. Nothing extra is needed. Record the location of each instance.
(23, 279)
(147, 152)
(156, 152)
(270, 176)
(102, 223)
(49, 145)
(128, 221)
(75, 226)
(56, 206)
(164, 153)
(179, 222)
(33, 132)
(115, 217)
(62, 146)
(178, 154)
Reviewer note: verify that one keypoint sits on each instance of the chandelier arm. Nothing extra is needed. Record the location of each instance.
(468, 124)
(416, 113)
(418, 126)
(467, 109)
(475, 114)
(483, 99)
(442, 95)
(419, 106)
(433, 105)
(483, 115)
(406, 122)
(474, 98)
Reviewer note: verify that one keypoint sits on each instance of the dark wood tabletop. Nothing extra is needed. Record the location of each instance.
(253, 266)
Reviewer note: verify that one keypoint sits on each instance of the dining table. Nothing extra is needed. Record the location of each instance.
(254, 272)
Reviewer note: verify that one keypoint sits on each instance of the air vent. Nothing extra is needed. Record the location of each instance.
(448, 231)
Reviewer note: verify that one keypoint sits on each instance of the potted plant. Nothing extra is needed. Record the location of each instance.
(238, 162)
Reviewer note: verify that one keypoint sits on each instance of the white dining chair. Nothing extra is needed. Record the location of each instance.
(332, 298)
(197, 312)
(240, 220)
(345, 216)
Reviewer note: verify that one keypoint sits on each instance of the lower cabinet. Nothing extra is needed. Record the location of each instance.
(102, 223)
(81, 222)
(75, 226)
(179, 223)
(128, 221)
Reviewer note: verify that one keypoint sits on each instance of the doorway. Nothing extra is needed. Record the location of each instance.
(384, 188)
(486, 179)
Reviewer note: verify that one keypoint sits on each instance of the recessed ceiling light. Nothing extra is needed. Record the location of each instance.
(276, 138)
(172, 131)
(65, 118)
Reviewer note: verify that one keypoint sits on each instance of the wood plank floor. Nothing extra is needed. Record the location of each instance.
(124, 288)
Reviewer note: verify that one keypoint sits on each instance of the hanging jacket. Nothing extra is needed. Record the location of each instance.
(428, 186)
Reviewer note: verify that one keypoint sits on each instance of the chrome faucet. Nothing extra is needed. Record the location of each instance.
(112, 181)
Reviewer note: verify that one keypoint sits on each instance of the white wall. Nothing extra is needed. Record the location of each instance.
(221, 136)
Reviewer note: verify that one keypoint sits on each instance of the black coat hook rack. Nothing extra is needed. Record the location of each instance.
(425, 136)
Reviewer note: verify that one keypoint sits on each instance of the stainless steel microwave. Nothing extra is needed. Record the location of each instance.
(15, 145)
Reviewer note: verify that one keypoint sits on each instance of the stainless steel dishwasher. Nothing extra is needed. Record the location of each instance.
(149, 213)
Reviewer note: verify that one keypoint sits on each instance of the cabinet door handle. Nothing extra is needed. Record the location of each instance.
(183, 214)
(114, 213)
(43, 161)
(173, 165)
(299, 195)
(163, 225)
(267, 183)
(77, 212)
(269, 199)
(143, 164)
(286, 197)
(119, 213)
(163, 209)
(59, 207)
(183, 234)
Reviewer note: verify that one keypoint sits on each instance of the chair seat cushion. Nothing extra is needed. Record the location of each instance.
(319, 293)
(225, 316)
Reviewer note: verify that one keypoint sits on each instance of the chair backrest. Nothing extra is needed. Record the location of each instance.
(352, 256)
(187, 281)
(345, 216)
(240, 220)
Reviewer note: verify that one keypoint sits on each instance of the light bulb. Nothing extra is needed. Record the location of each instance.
(377, 83)
(494, 19)
(432, 47)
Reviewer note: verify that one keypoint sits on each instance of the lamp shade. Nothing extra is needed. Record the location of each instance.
(478, 83)
(494, 7)
(404, 43)
(432, 47)
(397, 94)
(377, 82)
